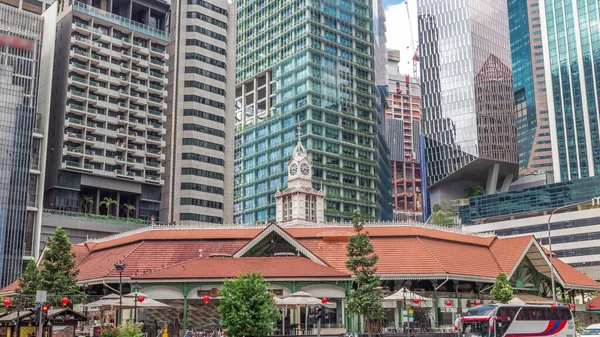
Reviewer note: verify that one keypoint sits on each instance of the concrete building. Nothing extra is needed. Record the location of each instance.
(26, 40)
(199, 153)
(468, 108)
(570, 38)
(533, 125)
(108, 103)
(403, 119)
(310, 66)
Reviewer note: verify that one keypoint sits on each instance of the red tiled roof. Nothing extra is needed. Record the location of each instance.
(573, 276)
(508, 251)
(228, 267)
(81, 252)
(10, 289)
(145, 256)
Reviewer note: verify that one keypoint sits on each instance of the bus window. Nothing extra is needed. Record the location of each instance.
(482, 310)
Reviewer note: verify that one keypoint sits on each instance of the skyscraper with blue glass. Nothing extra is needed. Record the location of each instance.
(572, 60)
(533, 126)
(306, 63)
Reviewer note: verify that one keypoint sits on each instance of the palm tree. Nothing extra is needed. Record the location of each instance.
(128, 208)
(87, 200)
(106, 202)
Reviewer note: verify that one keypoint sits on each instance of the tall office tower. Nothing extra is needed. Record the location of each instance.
(108, 103)
(199, 170)
(403, 118)
(308, 64)
(533, 126)
(467, 97)
(23, 35)
(385, 207)
(570, 36)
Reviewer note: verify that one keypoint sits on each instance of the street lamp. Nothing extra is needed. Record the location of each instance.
(136, 299)
(120, 267)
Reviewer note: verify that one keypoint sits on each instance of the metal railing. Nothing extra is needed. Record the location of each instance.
(121, 21)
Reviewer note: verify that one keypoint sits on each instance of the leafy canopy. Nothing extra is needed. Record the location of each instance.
(502, 291)
(59, 272)
(365, 298)
(247, 306)
(29, 283)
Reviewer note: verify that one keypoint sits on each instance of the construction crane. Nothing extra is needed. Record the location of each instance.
(415, 58)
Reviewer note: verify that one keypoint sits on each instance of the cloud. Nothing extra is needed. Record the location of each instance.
(398, 28)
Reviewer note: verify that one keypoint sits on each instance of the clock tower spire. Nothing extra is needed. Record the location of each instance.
(300, 201)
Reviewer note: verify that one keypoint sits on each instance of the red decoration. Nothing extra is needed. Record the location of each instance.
(65, 300)
(592, 306)
(573, 306)
(477, 302)
(141, 299)
(7, 302)
(553, 306)
(448, 303)
(324, 300)
(416, 301)
(206, 299)
(45, 307)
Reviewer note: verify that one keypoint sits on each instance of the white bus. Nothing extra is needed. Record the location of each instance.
(504, 320)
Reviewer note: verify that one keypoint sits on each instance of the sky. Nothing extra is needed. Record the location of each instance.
(398, 28)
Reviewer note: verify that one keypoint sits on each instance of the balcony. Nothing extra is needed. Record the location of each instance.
(120, 21)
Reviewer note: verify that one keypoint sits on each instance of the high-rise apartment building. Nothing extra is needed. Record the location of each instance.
(107, 110)
(200, 123)
(468, 108)
(308, 64)
(570, 37)
(403, 118)
(533, 125)
(26, 40)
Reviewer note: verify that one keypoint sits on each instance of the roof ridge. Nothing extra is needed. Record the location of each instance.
(170, 266)
(124, 257)
(430, 253)
(489, 249)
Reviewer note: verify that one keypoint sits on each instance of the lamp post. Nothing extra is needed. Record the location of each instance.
(136, 299)
(594, 200)
(120, 267)
(403, 307)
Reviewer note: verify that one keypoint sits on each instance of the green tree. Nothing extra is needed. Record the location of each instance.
(59, 272)
(87, 200)
(29, 283)
(502, 291)
(365, 298)
(128, 209)
(478, 190)
(106, 202)
(130, 330)
(247, 306)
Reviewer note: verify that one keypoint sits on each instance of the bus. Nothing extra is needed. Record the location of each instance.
(505, 320)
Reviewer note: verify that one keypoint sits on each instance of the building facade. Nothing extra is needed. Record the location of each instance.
(310, 66)
(531, 104)
(467, 96)
(24, 38)
(569, 36)
(105, 150)
(199, 153)
(403, 119)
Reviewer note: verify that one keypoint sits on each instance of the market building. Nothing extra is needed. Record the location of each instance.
(181, 265)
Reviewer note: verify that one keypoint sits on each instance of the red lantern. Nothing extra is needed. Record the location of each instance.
(416, 301)
(448, 303)
(206, 299)
(141, 299)
(477, 302)
(324, 300)
(592, 306)
(65, 300)
(573, 306)
(7, 302)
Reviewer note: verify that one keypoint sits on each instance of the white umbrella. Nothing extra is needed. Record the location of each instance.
(129, 301)
(106, 301)
(405, 294)
(299, 298)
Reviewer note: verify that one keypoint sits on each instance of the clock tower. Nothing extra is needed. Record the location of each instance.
(300, 201)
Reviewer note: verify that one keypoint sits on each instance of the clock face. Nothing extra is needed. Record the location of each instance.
(293, 169)
(305, 169)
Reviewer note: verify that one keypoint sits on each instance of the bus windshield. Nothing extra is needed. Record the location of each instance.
(476, 329)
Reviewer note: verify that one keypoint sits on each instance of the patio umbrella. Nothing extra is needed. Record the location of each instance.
(106, 301)
(299, 298)
(129, 301)
(405, 294)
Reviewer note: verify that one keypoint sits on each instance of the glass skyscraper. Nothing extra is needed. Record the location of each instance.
(533, 126)
(467, 96)
(572, 48)
(306, 64)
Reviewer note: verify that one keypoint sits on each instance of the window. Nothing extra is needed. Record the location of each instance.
(203, 143)
(206, 73)
(203, 129)
(287, 208)
(204, 100)
(208, 5)
(310, 208)
(205, 115)
(202, 203)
